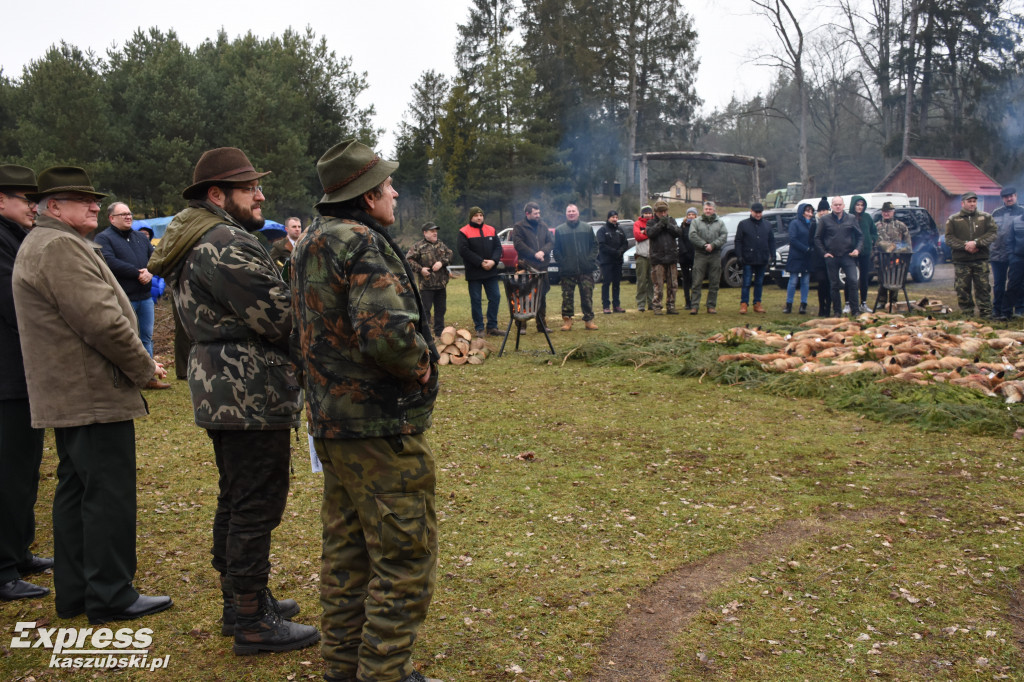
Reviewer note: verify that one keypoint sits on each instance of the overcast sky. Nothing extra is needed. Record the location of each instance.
(393, 42)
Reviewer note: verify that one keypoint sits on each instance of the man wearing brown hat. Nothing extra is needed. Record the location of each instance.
(236, 310)
(969, 234)
(71, 308)
(370, 372)
(21, 446)
(662, 232)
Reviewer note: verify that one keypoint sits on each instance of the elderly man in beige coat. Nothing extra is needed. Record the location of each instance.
(84, 365)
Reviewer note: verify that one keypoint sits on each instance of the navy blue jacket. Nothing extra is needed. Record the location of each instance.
(126, 253)
(799, 246)
(755, 242)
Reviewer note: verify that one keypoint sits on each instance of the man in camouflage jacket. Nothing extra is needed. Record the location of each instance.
(431, 258)
(969, 234)
(236, 310)
(370, 376)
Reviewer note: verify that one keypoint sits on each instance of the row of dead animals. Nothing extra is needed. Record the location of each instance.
(459, 347)
(915, 350)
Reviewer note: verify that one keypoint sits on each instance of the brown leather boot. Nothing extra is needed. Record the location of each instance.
(743, 308)
(758, 308)
(566, 324)
(287, 608)
(259, 627)
(589, 325)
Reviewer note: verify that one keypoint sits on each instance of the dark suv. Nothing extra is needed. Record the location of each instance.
(924, 235)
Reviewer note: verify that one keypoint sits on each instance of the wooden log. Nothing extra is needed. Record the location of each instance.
(444, 359)
(459, 359)
(448, 336)
(465, 333)
(462, 345)
(475, 360)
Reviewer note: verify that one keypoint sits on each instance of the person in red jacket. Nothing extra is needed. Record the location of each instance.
(644, 284)
(480, 249)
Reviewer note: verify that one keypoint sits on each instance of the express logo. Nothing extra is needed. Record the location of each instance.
(88, 647)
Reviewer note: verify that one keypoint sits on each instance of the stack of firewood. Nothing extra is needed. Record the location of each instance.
(458, 347)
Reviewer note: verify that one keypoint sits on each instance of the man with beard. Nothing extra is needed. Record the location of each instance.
(370, 372)
(236, 310)
(533, 242)
(480, 248)
(611, 245)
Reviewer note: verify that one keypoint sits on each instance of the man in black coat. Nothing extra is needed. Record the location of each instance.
(21, 446)
(839, 238)
(611, 245)
(755, 247)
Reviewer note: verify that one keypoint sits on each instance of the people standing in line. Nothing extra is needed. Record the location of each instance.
(870, 236)
(799, 263)
(576, 253)
(1008, 276)
(533, 242)
(819, 272)
(127, 253)
(21, 445)
(663, 233)
(893, 236)
(480, 249)
(370, 374)
(644, 285)
(71, 308)
(969, 234)
(708, 235)
(686, 255)
(430, 257)
(236, 310)
(839, 238)
(612, 243)
(755, 247)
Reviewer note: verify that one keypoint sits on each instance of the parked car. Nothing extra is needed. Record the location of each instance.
(509, 257)
(924, 235)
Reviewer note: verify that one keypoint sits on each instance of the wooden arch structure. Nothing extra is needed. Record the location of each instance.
(755, 162)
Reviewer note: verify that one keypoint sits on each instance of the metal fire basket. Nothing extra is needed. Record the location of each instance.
(892, 276)
(523, 291)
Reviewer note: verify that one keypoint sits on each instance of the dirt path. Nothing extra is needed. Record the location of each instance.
(640, 647)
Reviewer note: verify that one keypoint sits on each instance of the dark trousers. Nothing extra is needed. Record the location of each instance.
(490, 286)
(1002, 305)
(438, 300)
(864, 265)
(611, 279)
(253, 483)
(824, 296)
(848, 264)
(1013, 299)
(686, 279)
(21, 452)
(94, 519)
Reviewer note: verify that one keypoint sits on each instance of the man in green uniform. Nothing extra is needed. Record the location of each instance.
(236, 310)
(370, 374)
(969, 234)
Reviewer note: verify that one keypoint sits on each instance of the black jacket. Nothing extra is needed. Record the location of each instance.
(12, 378)
(686, 249)
(126, 253)
(663, 233)
(755, 242)
(612, 243)
(838, 236)
(477, 244)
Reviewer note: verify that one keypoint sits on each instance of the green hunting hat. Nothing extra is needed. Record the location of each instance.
(63, 179)
(220, 165)
(968, 195)
(887, 206)
(349, 169)
(17, 177)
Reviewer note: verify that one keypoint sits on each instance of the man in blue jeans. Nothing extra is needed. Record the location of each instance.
(755, 246)
(127, 253)
(480, 248)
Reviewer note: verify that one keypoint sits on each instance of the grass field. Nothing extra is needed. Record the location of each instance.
(616, 523)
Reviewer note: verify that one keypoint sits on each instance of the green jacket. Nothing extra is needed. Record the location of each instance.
(423, 254)
(964, 227)
(708, 230)
(236, 310)
(360, 336)
(575, 249)
(866, 224)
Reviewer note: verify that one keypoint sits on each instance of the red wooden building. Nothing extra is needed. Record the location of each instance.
(938, 184)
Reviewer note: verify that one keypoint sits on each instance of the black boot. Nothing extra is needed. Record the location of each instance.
(259, 627)
(286, 608)
(803, 309)
(788, 308)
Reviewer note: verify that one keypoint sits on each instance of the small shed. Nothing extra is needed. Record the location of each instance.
(938, 184)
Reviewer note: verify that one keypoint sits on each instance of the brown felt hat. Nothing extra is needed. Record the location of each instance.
(223, 164)
(17, 177)
(349, 169)
(63, 179)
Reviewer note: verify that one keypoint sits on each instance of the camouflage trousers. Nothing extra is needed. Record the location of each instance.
(665, 278)
(974, 275)
(253, 489)
(586, 285)
(379, 553)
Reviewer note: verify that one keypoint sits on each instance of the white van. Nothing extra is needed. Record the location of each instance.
(876, 199)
